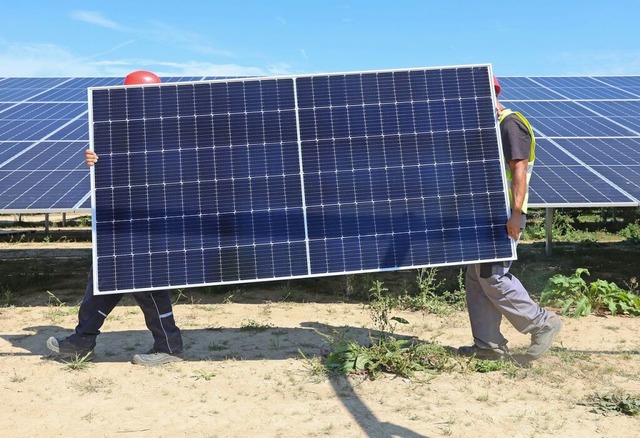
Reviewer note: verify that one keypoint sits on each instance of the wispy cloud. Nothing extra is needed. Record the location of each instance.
(28, 59)
(46, 60)
(303, 53)
(94, 17)
(111, 50)
(281, 20)
(191, 41)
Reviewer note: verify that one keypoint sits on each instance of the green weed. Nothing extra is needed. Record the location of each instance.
(79, 362)
(254, 326)
(607, 404)
(577, 298)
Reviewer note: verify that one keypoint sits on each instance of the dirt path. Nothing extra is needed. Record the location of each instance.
(245, 376)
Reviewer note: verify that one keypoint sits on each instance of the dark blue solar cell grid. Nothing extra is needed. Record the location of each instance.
(41, 190)
(582, 88)
(561, 179)
(213, 172)
(201, 183)
(380, 150)
(9, 149)
(521, 88)
(43, 177)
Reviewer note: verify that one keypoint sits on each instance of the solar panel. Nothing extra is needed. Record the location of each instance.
(269, 178)
(588, 136)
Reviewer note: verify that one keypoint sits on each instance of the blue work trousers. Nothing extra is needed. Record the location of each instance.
(156, 307)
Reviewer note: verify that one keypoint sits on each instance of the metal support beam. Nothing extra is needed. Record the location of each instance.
(548, 228)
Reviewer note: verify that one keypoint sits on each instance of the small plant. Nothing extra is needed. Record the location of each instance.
(204, 375)
(631, 232)
(389, 355)
(8, 297)
(53, 300)
(79, 362)
(314, 364)
(577, 298)
(358, 285)
(381, 304)
(218, 347)
(606, 404)
(180, 296)
(429, 297)
(254, 326)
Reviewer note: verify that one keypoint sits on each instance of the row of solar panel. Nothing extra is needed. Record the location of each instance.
(588, 130)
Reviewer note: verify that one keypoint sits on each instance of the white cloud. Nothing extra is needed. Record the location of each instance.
(46, 60)
(30, 59)
(93, 17)
(165, 33)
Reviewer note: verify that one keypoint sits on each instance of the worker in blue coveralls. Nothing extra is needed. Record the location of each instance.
(156, 305)
(492, 291)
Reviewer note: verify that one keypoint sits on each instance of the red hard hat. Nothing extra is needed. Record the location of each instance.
(141, 77)
(496, 85)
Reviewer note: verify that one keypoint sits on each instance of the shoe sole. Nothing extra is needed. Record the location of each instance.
(137, 360)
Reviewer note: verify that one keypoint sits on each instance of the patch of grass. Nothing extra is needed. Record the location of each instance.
(254, 326)
(78, 362)
(204, 375)
(487, 366)
(613, 403)
(218, 346)
(390, 355)
(567, 356)
(432, 296)
(314, 365)
(7, 297)
(57, 310)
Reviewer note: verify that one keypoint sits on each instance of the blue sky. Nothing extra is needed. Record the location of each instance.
(250, 37)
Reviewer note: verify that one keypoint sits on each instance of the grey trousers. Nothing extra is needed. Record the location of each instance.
(493, 292)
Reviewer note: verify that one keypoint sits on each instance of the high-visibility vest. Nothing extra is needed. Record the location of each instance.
(532, 156)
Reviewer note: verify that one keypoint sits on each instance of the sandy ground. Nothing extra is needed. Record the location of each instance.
(241, 382)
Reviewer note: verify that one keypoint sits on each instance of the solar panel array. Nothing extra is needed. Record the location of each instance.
(269, 178)
(588, 153)
(43, 135)
(588, 131)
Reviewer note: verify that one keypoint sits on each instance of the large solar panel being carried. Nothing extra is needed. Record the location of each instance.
(255, 179)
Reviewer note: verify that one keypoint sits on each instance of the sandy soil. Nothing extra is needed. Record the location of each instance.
(238, 382)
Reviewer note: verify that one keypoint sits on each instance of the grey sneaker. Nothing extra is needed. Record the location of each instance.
(65, 349)
(153, 357)
(499, 353)
(541, 341)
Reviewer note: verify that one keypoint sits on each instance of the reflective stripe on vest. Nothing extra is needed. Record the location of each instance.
(532, 156)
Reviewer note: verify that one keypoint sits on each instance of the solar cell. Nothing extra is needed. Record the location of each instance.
(256, 179)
